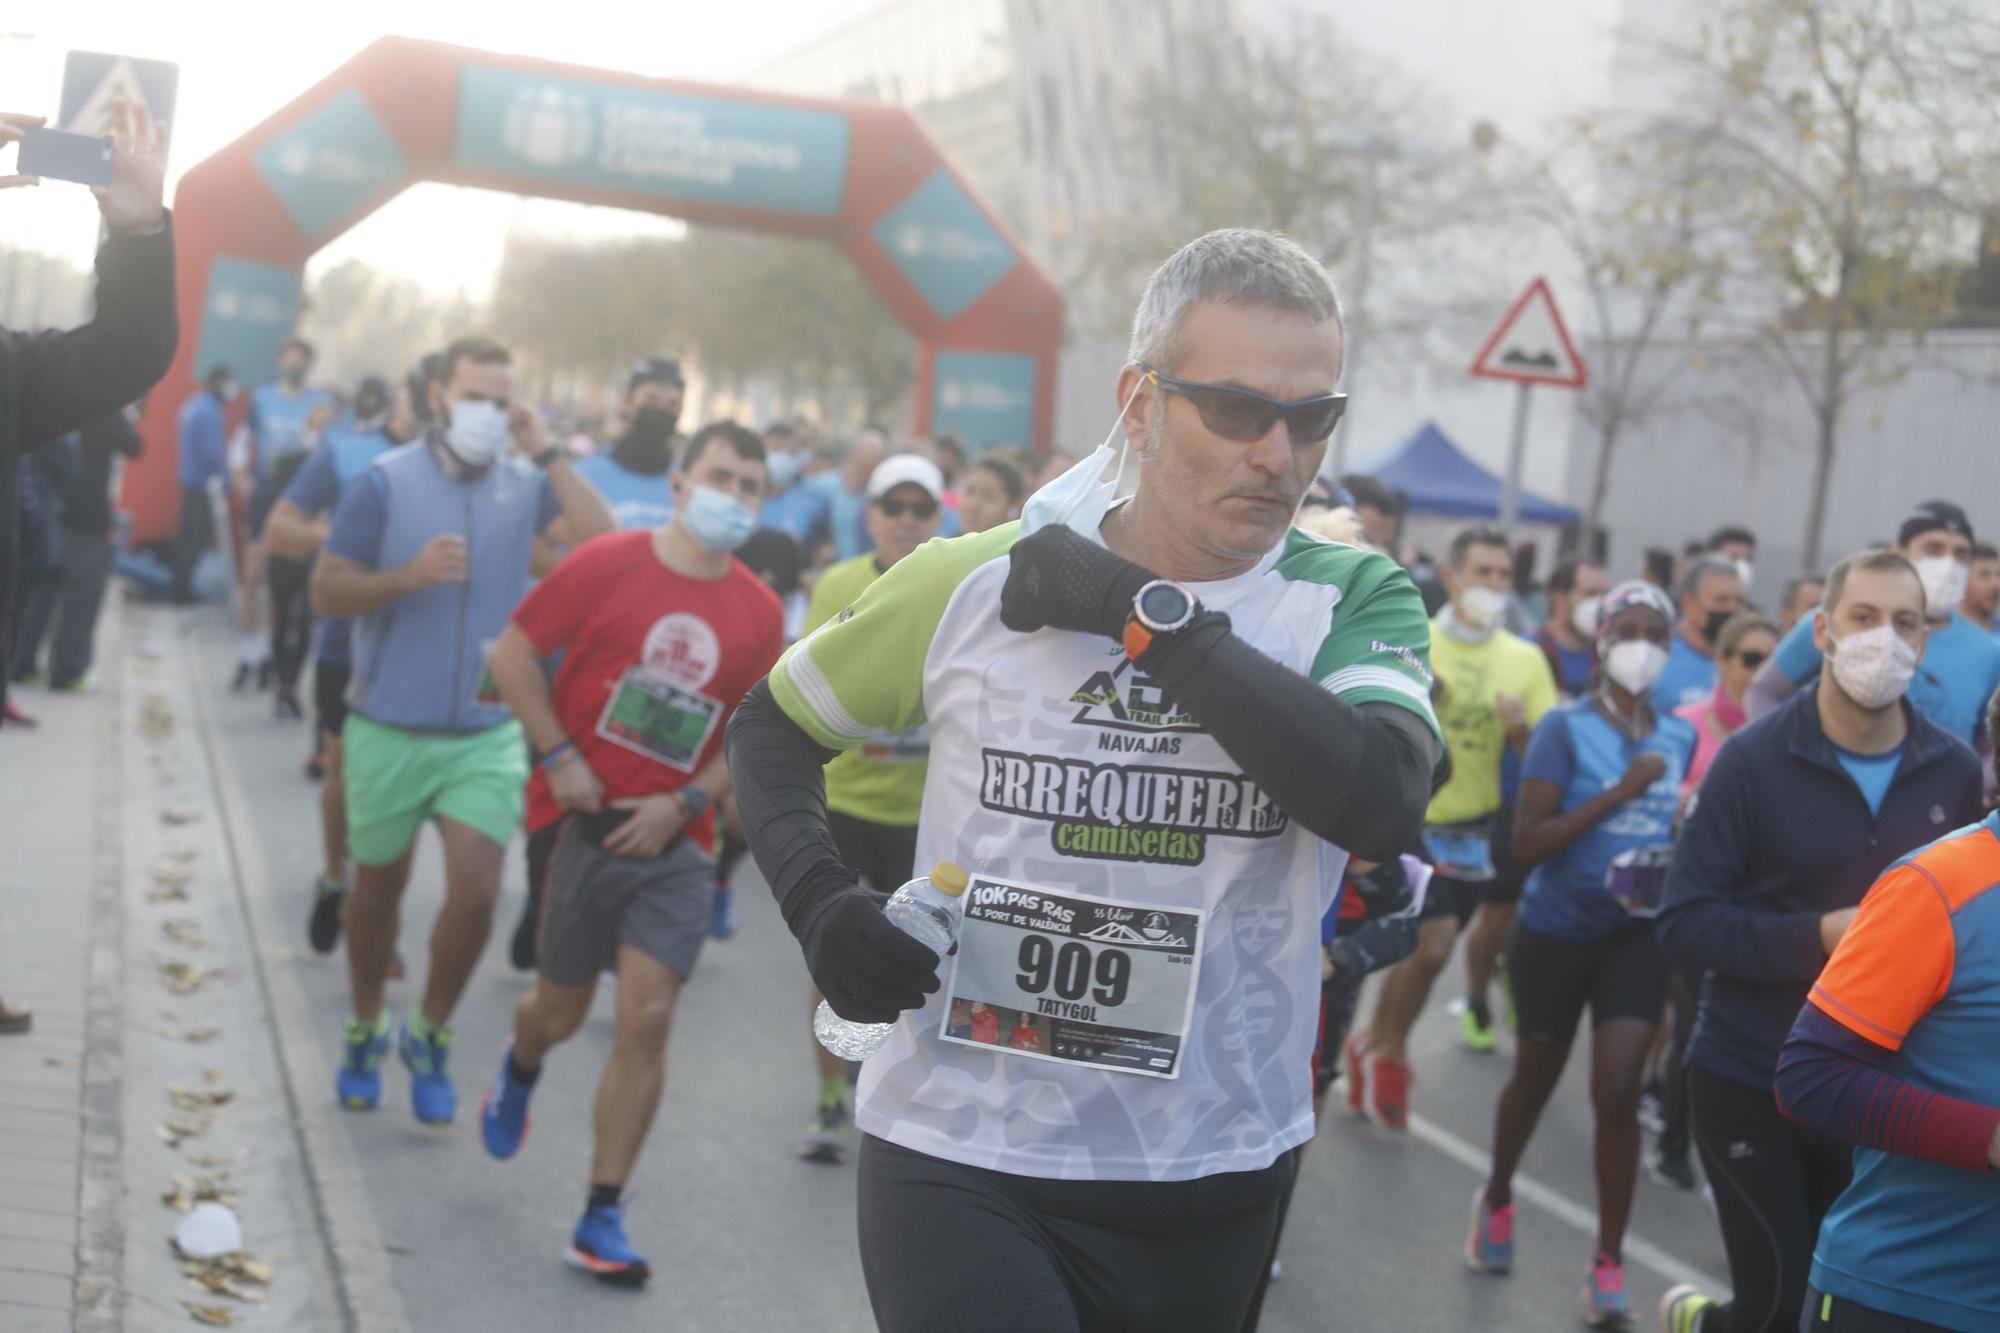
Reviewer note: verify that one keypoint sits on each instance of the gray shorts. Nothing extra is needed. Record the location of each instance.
(595, 901)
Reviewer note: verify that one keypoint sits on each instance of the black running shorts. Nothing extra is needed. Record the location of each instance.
(1621, 975)
(330, 696)
(883, 855)
(946, 1246)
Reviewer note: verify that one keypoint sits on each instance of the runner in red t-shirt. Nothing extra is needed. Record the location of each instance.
(985, 1024)
(1022, 1036)
(663, 633)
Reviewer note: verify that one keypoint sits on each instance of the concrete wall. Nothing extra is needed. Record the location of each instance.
(1738, 447)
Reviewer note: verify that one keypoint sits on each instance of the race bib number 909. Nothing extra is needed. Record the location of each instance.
(1074, 978)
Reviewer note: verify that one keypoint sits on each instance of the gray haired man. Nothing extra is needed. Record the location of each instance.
(1155, 725)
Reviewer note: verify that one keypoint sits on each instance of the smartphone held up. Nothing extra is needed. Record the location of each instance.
(60, 155)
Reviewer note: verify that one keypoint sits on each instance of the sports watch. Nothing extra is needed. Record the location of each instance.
(1160, 608)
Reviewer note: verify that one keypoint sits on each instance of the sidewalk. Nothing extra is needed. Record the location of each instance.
(56, 780)
(161, 1067)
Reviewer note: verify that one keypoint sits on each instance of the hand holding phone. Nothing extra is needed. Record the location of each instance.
(13, 125)
(130, 185)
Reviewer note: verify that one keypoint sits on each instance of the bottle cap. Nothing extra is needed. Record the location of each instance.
(949, 878)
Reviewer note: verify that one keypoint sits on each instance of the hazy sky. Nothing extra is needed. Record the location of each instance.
(242, 59)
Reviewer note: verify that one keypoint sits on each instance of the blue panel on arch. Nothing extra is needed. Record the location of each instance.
(249, 309)
(651, 141)
(984, 398)
(943, 244)
(331, 163)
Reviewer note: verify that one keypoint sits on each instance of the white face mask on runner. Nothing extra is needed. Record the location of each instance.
(1077, 499)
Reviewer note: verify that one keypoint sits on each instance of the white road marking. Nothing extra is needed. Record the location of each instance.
(1637, 1250)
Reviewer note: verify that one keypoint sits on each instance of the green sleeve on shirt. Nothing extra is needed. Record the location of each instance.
(862, 671)
(1378, 647)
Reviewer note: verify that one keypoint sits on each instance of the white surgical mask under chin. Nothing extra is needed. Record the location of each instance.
(1944, 580)
(477, 432)
(1873, 667)
(1077, 499)
(1635, 664)
(1480, 609)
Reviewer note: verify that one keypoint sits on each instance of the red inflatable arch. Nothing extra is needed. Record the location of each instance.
(987, 319)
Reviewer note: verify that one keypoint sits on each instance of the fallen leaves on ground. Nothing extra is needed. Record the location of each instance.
(178, 1129)
(156, 719)
(176, 816)
(209, 1314)
(184, 931)
(235, 1275)
(198, 1099)
(184, 978)
(188, 1191)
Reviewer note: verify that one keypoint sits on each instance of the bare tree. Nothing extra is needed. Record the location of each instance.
(1849, 145)
(1630, 206)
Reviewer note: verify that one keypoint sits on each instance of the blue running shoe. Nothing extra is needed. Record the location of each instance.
(1605, 1304)
(426, 1052)
(1490, 1247)
(723, 924)
(359, 1083)
(503, 1116)
(599, 1248)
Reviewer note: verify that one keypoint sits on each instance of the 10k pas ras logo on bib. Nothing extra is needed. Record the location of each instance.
(1135, 812)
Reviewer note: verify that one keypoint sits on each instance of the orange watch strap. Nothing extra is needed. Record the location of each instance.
(1137, 637)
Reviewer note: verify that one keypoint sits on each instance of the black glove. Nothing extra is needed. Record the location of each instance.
(867, 969)
(1059, 580)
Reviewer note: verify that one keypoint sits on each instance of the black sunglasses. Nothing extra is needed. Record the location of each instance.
(898, 508)
(1246, 416)
(1753, 660)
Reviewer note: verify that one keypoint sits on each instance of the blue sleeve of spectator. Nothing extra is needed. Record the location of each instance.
(359, 521)
(1551, 757)
(317, 486)
(1796, 656)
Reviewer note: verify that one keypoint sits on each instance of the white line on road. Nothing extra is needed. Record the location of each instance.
(1562, 1208)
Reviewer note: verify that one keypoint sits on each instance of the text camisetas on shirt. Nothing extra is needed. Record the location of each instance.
(1111, 812)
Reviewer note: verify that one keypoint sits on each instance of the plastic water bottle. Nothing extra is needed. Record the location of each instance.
(927, 909)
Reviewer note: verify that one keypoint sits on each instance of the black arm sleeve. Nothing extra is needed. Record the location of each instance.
(1358, 777)
(70, 377)
(777, 772)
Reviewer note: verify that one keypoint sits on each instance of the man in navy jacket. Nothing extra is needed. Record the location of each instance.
(1800, 813)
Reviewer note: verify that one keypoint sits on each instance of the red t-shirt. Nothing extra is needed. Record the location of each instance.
(655, 664)
(986, 1027)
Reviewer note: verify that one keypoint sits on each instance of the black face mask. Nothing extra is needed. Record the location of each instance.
(647, 445)
(1712, 628)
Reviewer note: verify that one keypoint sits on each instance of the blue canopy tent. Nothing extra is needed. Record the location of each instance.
(1435, 478)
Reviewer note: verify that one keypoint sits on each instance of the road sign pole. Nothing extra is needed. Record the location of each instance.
(1517, 453)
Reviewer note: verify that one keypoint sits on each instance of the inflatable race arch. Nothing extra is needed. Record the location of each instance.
(986, 319)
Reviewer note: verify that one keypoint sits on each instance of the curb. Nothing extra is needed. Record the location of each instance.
(100, 1225)
(356, 1255)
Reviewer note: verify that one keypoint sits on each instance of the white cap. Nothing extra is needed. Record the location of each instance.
(905, 469)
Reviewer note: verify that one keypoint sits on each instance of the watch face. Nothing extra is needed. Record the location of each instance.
(1162, 604)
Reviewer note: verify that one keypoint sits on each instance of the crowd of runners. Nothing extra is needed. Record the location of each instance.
(1170, 704)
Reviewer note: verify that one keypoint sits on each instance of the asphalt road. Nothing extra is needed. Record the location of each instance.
(744, 1236)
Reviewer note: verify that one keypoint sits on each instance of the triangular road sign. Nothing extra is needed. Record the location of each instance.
(94, 116)
(1532, 344)
(91, 79)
